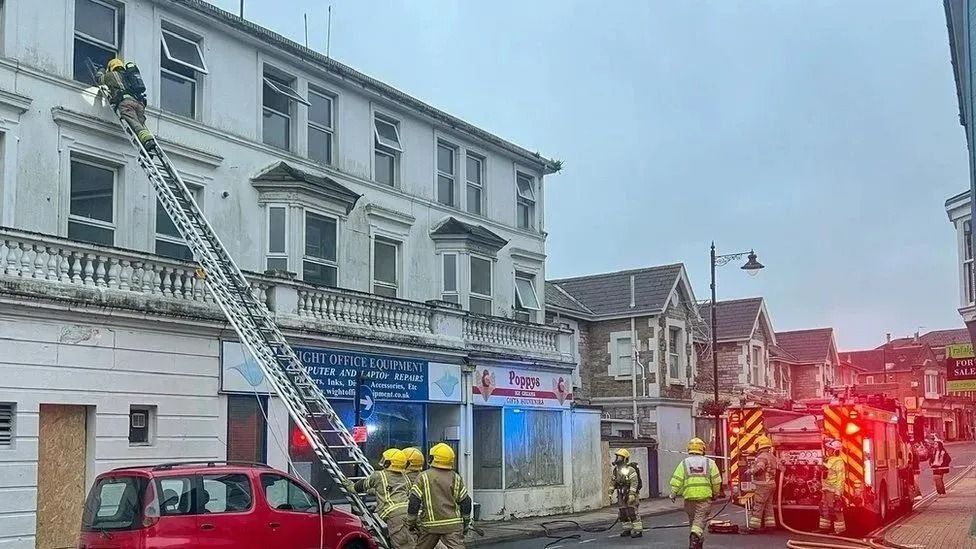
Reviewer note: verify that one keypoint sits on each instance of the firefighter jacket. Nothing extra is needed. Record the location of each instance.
(116, 86)
(696, 479)
(392, 491)
(441, 500)
(836, 475)
(626, 479)
(765, 467)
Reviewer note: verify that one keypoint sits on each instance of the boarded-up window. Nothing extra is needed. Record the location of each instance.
(488, 448)
(246, 428)
(533, 448)
(6, 424)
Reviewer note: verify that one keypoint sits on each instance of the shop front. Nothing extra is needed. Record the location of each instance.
(529, 446)
(409, 401)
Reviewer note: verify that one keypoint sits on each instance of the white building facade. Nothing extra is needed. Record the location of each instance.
(383, 234)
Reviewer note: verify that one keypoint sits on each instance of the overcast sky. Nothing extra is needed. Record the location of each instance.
(823, 134)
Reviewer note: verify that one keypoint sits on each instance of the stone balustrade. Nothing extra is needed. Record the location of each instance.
(107, 273)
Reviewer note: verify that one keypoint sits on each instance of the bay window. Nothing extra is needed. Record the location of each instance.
(320, 264)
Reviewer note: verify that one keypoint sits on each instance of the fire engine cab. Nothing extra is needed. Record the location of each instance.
(872, 428)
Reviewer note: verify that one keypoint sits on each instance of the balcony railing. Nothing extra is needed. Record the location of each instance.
(132, 279)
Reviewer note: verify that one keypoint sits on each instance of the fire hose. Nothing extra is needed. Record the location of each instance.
(842, 542)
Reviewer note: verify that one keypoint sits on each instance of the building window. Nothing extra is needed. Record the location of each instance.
(446, 178)
(674, 352)
(181, 67)
(320, 264)
(7, 416)
(386, 259)
(320, 127)
(756, 366)
(98, 30)
(277, 258)
(229, 493)
(169, 241)
(386, 154)
(868, 380)
(140, 425)
(621, 349)
(480, 299)
(931, 385)
(279, 96)
(526, 299)
(526, 200)
(92, 214)
(968, 261)
(449, 278)
(487, 450)
(247, 438)
(533, 448)
(474, 174)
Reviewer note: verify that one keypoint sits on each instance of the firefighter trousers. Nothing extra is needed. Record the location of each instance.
(134, 114)
(400, 534)
(697, 511)
(451, 540)
(832, 512)
(629, 515)
(762, 507)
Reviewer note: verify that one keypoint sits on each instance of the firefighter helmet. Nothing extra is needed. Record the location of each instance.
(415, 459)
(397, 461)
(763, 442)
(387, 457)
(622, 453)
(441, 456)
(114, 63)
(696, 446)
(834, 444)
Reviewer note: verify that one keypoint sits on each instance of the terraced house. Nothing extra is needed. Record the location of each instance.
(383, 234)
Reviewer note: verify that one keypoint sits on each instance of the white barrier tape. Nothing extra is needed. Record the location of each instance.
(687, 454)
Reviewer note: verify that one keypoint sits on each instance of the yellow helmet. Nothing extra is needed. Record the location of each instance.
(763, 442)
(415, 459)
(387, 456)
(442, 456)
(696, 446)
(397, 461)
(622, 453)
(114, 63)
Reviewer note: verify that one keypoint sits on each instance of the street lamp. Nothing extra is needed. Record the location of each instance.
(752, 268)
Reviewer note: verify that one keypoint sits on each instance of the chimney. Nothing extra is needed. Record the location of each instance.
(633, 303)
(888, 337)
(916, 337)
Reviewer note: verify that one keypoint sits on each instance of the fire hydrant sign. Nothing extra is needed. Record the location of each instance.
(960, 368)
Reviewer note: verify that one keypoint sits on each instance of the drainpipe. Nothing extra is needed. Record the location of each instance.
(633, 363)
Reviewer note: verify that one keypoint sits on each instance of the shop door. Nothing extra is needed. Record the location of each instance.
(61, 467)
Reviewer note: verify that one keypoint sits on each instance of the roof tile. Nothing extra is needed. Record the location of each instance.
(736, 318)
(807, 345)
(609, 293)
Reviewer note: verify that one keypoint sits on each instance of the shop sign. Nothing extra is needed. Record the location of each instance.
(960, 368)
(336, 373)
(494, 386)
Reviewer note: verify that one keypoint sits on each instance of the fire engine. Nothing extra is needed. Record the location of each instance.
(876, 449)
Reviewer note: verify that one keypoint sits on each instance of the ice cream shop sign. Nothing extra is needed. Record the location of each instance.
(496, 386)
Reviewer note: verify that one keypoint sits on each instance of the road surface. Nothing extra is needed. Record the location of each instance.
(657, 537)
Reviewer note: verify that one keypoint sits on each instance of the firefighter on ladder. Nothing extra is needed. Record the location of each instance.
(440, 507)
(698, 481)
(127, 94)
(391, 487)
(763, 471)
(627, 484)
(832, 491)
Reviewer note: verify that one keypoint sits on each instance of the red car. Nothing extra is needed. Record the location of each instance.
(213, 504)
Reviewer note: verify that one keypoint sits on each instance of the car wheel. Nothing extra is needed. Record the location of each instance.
(356, 544)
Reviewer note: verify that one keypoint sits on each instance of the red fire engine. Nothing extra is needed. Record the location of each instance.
(872, 428)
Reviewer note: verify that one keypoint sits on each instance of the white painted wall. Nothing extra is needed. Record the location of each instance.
(675, 428)
(221, 150)
(586, 460)
(108, 367)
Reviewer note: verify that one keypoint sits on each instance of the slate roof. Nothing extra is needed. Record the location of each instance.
(282, 174)
(608, 294)
(807, 345)
(736, 318)
(935, 338)
(903, 358)
(452, 227)
(556, 297)
(869, 361)
(778, 352)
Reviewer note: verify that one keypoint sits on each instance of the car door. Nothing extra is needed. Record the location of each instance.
(177, 526)
(292, 518)
(227, 511)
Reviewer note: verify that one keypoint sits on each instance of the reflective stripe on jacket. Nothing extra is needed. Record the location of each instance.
(441, 492)
(625, 478)
(836, 475)
(696, 478)
(392, 491)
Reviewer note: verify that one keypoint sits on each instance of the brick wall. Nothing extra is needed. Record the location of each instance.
(731, 372)
(805, 381)
(596, 360)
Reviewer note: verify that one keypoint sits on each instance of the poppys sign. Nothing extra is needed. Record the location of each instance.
(511, 387)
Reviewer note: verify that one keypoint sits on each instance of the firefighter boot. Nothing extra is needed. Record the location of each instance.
(695, 541)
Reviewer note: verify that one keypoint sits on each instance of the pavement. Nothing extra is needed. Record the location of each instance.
(946, 522)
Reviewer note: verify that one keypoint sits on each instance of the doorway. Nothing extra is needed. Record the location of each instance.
(61, 469)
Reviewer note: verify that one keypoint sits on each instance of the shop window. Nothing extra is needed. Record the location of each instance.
(247, 428)
(98, 33)
(487, 448)
(141, 419)
(226, 493)
(533, 448)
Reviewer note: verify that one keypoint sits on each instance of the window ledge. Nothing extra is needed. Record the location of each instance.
(14, 101)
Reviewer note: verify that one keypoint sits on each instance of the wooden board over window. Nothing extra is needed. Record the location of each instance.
(60, 475)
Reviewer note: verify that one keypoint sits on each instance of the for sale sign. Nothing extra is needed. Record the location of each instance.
(960, 368)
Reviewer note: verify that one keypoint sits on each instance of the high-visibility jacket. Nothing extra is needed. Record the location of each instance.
(696, 479)
(626, 478)
(441, 493)
(392, 491)
(764, 469)
(836, 475)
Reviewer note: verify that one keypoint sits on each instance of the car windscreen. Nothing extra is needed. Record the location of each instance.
(115, 503)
